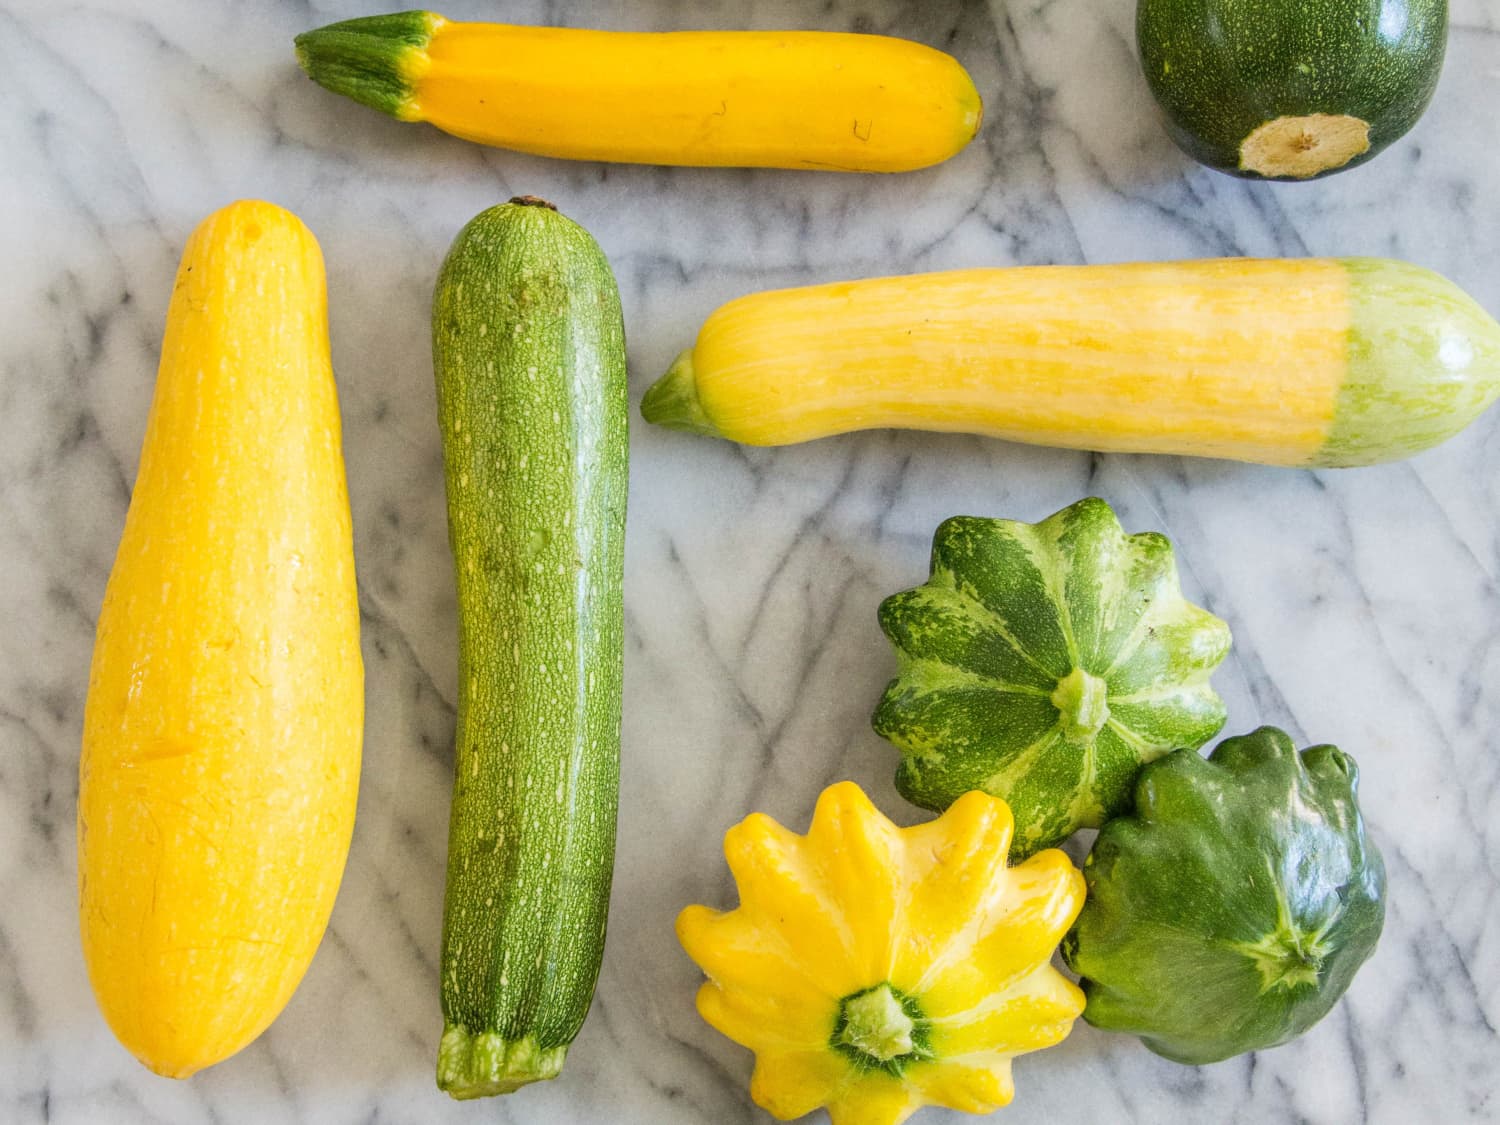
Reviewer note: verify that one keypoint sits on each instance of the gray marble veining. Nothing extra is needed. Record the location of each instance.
(1364, 604)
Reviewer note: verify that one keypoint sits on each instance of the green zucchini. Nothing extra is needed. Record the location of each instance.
(529, 352)
(1290, 89)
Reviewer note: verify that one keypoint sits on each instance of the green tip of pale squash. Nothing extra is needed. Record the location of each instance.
(1423, 363)
(371, 59)
(672, 401)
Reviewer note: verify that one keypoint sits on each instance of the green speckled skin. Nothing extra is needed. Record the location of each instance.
(529, 352)
(1222, 68)
(1424, 362)
(1230, 912)
(1044, 664)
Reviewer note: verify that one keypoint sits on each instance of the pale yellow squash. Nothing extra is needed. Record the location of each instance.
(1303, 362)
(221, 742)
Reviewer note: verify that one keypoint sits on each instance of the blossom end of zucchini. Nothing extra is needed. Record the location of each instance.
(1423, 362)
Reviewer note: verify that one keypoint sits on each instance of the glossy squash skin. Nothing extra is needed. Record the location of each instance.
(765, 99)
(221, 743)
(1290, 89)
(1316, 362)
(1230, 911)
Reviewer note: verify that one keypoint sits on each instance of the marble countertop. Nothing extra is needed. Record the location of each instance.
(1364, 604)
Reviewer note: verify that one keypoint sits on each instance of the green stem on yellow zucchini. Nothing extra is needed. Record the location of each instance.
(371, 60)
(672, 401)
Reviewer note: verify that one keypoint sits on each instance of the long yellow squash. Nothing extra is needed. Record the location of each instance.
(1309, 362)
(772, 99)
(221, 740)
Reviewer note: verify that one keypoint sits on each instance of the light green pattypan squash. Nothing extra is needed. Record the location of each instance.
(1045, 664)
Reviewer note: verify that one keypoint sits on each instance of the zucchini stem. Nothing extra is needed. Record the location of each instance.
(672, 401)
(373, 59)
(478, 1065)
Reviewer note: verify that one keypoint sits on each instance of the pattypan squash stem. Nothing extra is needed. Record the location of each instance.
(1082, 702)
(881, 1028)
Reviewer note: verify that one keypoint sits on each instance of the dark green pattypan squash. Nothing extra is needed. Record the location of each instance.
(1231, 910)
(1045, 664)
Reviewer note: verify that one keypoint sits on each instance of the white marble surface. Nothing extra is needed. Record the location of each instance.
(1365, 604)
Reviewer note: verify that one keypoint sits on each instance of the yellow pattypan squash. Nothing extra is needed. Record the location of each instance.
(875, 969)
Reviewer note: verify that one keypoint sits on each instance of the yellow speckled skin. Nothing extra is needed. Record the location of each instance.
(221, 742)
(931, 911)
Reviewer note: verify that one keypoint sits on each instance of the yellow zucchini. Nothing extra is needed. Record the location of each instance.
(763, 99)
(1310, 362)
(221, 741)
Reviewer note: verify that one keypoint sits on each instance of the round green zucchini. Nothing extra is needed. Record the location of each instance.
(529, 352)
(1290, 89)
